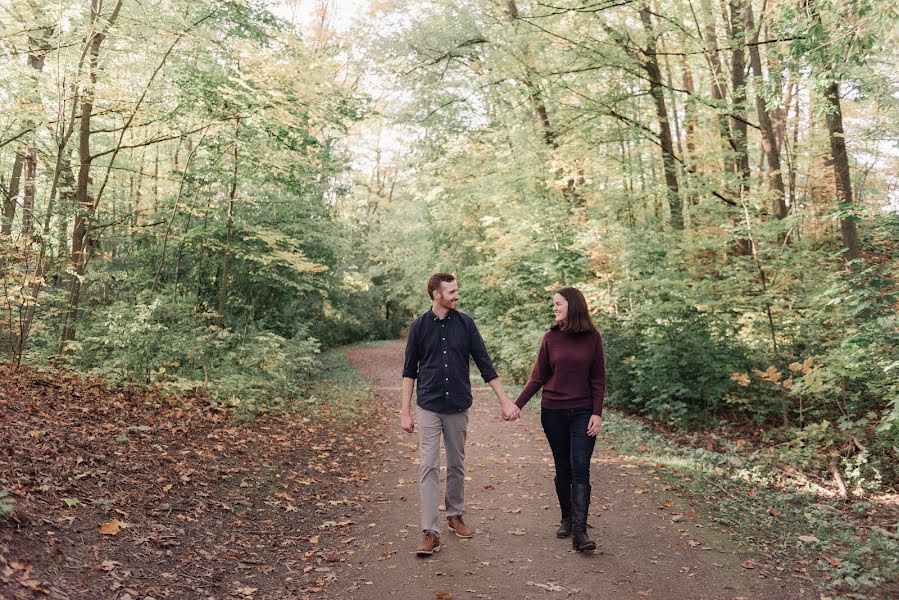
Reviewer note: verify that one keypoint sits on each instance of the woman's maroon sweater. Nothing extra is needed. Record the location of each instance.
(571, 370)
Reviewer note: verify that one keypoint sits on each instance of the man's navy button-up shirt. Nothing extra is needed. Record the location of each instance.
(437, 355)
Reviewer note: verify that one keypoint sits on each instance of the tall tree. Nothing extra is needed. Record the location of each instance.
(650, 64)
(770, 145)
(98, 30)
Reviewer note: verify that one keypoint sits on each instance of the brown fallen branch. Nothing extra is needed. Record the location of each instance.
(837, 478)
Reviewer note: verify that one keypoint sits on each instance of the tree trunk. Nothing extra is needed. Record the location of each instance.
(650, 64)
(769, 137)
(82, 197)
(28, 191)
(719, 89)
(738, 88)
(549, 134)
(38, 47)
(841, 174)
(12, 195)
(692, 124)
(229, 232)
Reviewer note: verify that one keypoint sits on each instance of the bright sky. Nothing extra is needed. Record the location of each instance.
(307, 13)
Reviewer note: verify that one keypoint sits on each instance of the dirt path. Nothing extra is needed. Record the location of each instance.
(647, 550)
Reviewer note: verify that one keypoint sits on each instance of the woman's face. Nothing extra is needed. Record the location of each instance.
(560, 307)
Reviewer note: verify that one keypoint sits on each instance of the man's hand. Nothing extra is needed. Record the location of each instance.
(510, 411)
(594, 425)
(407, 423)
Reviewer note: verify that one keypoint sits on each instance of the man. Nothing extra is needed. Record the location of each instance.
(440, 344)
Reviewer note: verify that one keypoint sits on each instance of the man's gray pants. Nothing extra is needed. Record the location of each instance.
(454, 428)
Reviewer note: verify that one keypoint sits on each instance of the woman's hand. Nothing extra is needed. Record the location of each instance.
(594, 425)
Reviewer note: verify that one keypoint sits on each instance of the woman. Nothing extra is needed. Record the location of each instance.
(571, 370)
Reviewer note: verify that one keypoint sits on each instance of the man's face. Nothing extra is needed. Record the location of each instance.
(447, 295)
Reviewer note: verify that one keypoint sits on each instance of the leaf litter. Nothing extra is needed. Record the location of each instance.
(118, 488)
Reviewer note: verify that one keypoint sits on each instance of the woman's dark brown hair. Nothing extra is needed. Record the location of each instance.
(578, 320)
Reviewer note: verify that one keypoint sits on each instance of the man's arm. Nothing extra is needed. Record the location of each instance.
(410, 373)
(508, 410)
(406, 405)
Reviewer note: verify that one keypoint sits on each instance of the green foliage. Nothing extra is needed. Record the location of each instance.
(535, 163)
(672, 367)
(7, 505)
(217, 260)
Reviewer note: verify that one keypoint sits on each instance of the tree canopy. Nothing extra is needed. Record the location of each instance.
(203, 194)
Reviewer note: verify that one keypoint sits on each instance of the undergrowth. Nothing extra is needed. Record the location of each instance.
(848, 545)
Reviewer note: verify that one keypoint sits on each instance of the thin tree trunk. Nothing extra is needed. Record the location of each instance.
(28, 190)
(719, 89)
(692, 123)
(156, 183)
(769, 137)
(650, 64)
(67, 199)
(38, 47)
(229, 232)
(12, 195)
(792, 147)
(841, 173)
(85, 202)
(738, 89)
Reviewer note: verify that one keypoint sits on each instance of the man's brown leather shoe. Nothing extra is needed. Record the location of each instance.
(430, 544)
(460, 528)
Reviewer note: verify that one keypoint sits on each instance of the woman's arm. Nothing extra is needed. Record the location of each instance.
(539, 374)
(598, 376)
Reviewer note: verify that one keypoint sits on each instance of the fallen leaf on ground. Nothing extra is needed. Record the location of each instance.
(113, 527)
(747, 564)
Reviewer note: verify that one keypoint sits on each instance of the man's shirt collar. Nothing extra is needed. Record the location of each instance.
(434, 317)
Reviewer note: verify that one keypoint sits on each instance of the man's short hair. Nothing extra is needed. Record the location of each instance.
(435, 281)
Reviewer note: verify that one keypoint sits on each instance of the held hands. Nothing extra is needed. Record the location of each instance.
(509, 411)
(594, 425)
(407, 423)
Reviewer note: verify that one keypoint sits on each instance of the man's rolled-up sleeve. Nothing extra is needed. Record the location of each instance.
(410, 365)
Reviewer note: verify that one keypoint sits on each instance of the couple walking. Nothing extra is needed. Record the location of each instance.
(570, 369)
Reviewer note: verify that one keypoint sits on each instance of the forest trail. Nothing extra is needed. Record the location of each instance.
(652, 544)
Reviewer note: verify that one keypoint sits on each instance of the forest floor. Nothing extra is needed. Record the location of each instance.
(122, 495)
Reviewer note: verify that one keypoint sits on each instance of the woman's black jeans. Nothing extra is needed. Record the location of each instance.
(566, 430)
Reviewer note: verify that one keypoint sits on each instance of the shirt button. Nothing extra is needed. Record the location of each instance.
(444, 339)
(445, 365)
(447, 378)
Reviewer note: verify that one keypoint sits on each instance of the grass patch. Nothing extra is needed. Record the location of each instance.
(7, 505)
(339, 390)
(771, 514)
